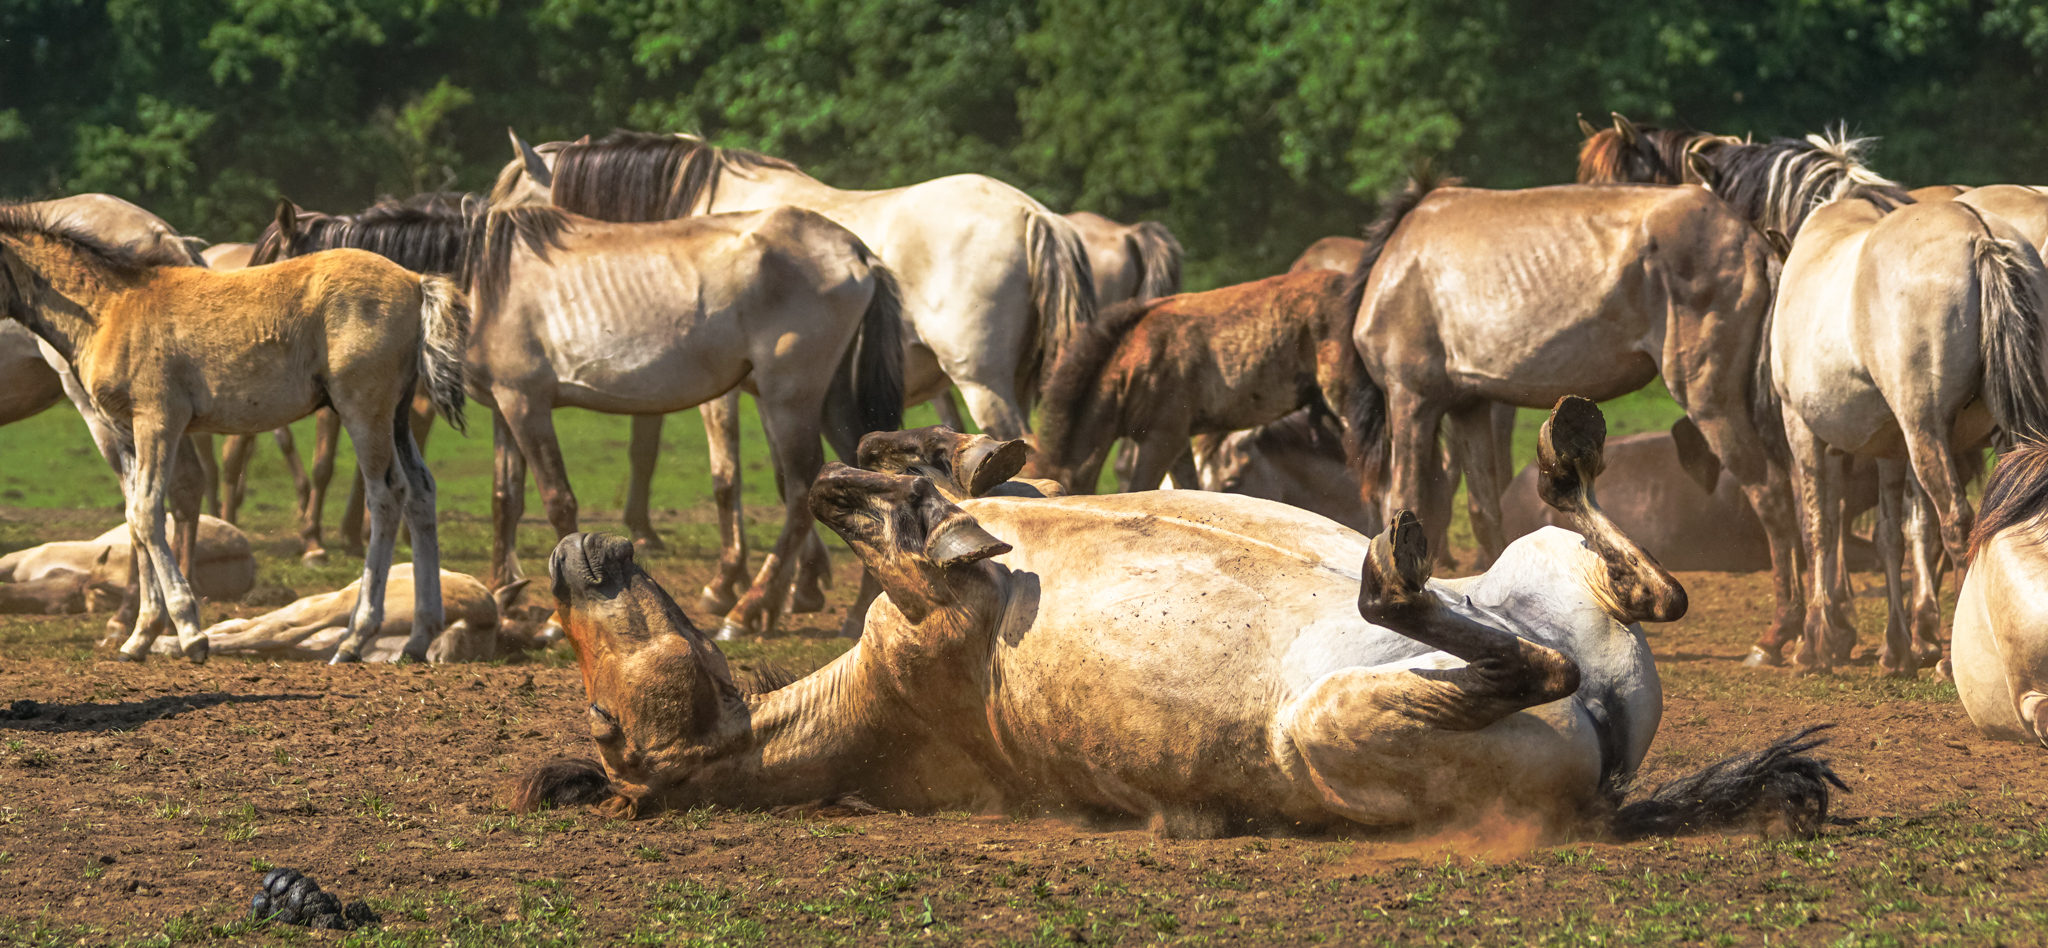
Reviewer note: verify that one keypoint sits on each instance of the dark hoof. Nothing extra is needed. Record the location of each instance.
(1397, 564)
(1944, 671)
(804, 600)
(125, 657)
(412, 658)
(198, 652)
(1575, 434)
(650, 542)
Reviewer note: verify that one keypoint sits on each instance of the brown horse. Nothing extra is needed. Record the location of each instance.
(164, 350)
(1160, 371)
(1331, 253)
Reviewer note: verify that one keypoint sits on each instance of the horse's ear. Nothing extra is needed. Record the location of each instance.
(1695, 456)
(536, 168)
(1626, 129)
(1779, 242)
(505, 596)
(287, 219)
(585, 140)
(1586, 128)
(1698, 169)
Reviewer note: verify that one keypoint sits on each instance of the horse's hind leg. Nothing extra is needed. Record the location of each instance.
(1897, 656)
(288, 450)
(326, 442)
(234, 474)
(427, 618)
(508, 502)
(1819, 478)
(1416, 480)
(645, 450)
(156, 449)
(209, 471)
(722, 434)
(1473, 444)
(791, 422)
(376, 451)
(1923, 540)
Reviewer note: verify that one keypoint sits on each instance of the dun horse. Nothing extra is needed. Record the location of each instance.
(1478, 297)
(1129, 261)
(1999, 657)
(1160, 371)
(162, 350)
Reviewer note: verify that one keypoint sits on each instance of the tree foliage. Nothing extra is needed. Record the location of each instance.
(1251, 126)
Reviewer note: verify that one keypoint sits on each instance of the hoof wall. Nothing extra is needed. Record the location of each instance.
(341, 658)
(1758, 658)
(198, 652)
(125, 657)
(314, 558)
(730, 630)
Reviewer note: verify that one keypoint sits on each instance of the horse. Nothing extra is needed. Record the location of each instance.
(1160, 371)
(31, 385)
(649, 318)
(1469, 300)
(1269, 671)
(1998, 656)
(1330, 253)
(994, 283)
(1129, 261)
(162, 350)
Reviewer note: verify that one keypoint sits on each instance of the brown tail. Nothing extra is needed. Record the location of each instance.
(1159, 252)
(2010, 339)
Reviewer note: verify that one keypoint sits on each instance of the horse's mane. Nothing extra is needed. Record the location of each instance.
(20, 220)
(426, 233)
(1312, 430)
(1658, 156)
(642, 176)
(2016, 493)
(1776, 185)
(488, 268)
(1077, 377)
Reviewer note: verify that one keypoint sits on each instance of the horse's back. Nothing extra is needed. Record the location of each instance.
(2022, 206)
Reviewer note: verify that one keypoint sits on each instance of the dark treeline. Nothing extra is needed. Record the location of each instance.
(1250, 127)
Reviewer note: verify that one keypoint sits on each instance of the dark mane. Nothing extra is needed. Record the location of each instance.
(2016, 493)
(644, 176)
(426, 233)
(1657, 156)
(1077, 378)
(487, 270)
(20, 220)
(1777, 185)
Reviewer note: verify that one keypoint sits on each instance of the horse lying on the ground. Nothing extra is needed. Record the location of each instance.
(1298, 461)
(27, 383)
(1182, 658)
(223, 567)
(1999, 653)
(482, 625)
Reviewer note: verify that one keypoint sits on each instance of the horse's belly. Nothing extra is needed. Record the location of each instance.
(1594, 358)
(634, 374)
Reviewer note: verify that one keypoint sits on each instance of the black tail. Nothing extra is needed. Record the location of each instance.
(1778, 783)
(1366, 416)
(564, 781)
(867, 388)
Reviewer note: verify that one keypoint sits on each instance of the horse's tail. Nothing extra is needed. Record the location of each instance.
(1062, 293)
(867, 388)
(1159, 253)
(2009, 297)
(1779, 784)
(1366, 419)
(444, 334)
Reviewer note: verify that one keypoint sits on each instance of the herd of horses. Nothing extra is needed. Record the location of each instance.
(1837, 344)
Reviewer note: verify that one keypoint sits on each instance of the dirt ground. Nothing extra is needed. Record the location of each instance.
(140, 805)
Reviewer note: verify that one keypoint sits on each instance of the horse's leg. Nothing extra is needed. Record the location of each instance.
(532, 422)
(1820, 506)
(722, 434)
(234, 474)
(1722, 414)
(156, 449)
(287, 449)
(1923, 541)
(376, 443)
(1163, 447)
(1927, 444)
(352, 516)
(326, 441)
(645, 450)
(1416, 470)
(188, 490)
(1471, 435)
(1183, 472)
(209, 471)
(995, 408)
(813, 564)
(790, 419)
(1896, 657)
(427, 612)
(947, 410)
(508, 502)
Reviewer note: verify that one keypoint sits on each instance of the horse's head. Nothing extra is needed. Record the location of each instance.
(662, 701)
(529, 178)
(960, 465)
(908, 534)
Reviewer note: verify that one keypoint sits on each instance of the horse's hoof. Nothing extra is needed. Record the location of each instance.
(1944, 671)
(412, 658)
(125, 657)
(1759, 658)
(803, 600)
(345, 658)
(731, 629)
(711, 601)
(314, 557)
(651, 543)
(198, 652)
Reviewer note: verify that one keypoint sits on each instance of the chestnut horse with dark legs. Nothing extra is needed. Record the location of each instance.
(1161, 371)
(162, 350)
(1521, 297)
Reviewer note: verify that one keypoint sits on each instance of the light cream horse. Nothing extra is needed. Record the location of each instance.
(1999, 656)
(164, 350)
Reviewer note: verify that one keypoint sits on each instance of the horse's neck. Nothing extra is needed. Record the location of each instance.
(807, 738)
(64, 303)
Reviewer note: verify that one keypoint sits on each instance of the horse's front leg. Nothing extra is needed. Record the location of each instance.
(156, 452)
(645, 450)
(428, 620)
(1473, 441)
(791, 422)
(508, 502)
(722, 436)
(209, 471)
(1893, 482)
(995, 407)
(234, 475)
